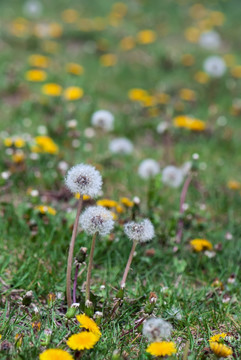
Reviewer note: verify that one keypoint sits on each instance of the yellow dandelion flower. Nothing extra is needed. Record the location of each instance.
(148, 101)
(70, 16)
(188, 60)
(74, 69)
(107, 203)
(164, 348)
(55, 30)
(39, 61)
(52, 89)
(55, 354)
(8, 142)
(83, 340)
(146, 37)
(19, 27)
(187, 94)
(119, 209)
(220, 350)
(114, 216)
(137, 94)
(234, 185)
(127, 43)
(236, 72)
(192, 34)
(197, 11)
(44, 144)
(35, 75)
(217, 337)
(201, 245)
(217, 18)
(85, 197)
(127, 202)
(201, 77)
(44, 209)
(19, 142)
(18, 157)
(108, 60)
(0, 336)
(189, 123)
(73, 93)
(88, 324)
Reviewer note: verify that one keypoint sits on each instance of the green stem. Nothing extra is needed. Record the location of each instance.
(123, 281)
(87, 293)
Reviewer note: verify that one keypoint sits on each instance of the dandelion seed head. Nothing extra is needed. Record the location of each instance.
(155, 329)
(148, 168)
(210, 40)
(214, 66)
(97, 219)
(121, 146)
(172, 176)
(84, 179)
(141, 232)
(103, 119)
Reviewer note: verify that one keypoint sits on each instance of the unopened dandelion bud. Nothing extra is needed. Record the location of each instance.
(151, 304)
(72, 311)
(18, 340)
(81, 256)
(115, 355)
(46, 337)
(89, 308)
(50, 299)
(98, 315)
(27, 299)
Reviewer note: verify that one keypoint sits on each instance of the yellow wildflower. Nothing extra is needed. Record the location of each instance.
(192, 34)
(164, 348)
(146, 37)
(52, 89)
(107, 203)
(236, 72)
(217, 337)
(137, 94)
(83, 340)
(73, 93)
(148, 101)
(119, 9)
(19, 27)
(234, 185)
(114, 216)
(44, 209)
(197, 11)
(127, 202)
(220, 350)
(108, 60)
(189, 123)
(55, 30)
(119, 209)
(201, 77)
(85, 197)
(70, 16)
(187, 94)
(39, 61)
(88, 324)
(8, 142)
(55, 354)
(18, 157)
(44, 144)
(217, 18)
(127, 43)
(201, 245)
(36, 75)
(74, 69)
(19, 142)
(188, 60)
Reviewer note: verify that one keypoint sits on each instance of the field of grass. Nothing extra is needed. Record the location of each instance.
(143, 62)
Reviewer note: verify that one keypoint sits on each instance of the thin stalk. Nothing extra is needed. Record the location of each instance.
(75, 282)
(71, 252)
(182, 201)
(123, 281)
(87, 293)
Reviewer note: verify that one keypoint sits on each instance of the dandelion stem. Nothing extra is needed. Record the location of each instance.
(75, 282)
(182, 200)
(87, 293)
(123, 281)
(71, 252)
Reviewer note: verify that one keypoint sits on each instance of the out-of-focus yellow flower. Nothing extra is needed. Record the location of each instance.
(108, 60)
(70, 16)
(217, 18)
(217, 337)
(119, 209)
(187, 94)
(137, 94)
(36, 75)
(163, 348)
(55, 30)
(234, 185)
(127, 202)
(107, 203)
(220, 350)
(8, 142)
(162, 98)
(229, 59)
(148, 101)
(127, 43)
(74, 69)
(201, 77)
(18, 157)
(73, 93)
(44, 209)
(52, 89)
(39, 61)
(114, 215)
(205, 24)
(19, 27)
(119, 9)
(146, 37)
(19, 142)
(189, 123)
(153, 112)
(199, 245)
(18, 340)
(197, 11)
(44, 144)
(192, 34)
(85, 197)
(188, 60)
(236, 72)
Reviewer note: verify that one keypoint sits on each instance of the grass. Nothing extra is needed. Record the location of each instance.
(195, 293)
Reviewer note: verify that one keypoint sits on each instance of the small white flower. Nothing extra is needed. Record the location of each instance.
(72, 123)
(210, 40)
(84, 179)
(63, 166)
(156, 329)
(5, 175)
(97, 219)
(172, 176)
(121, 146)
(162, 127)
(148, 168)
(214, 66)
(89, 133)
(141, 232)
(103, 119)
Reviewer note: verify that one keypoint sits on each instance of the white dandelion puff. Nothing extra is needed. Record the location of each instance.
(141, 232)
(33, 8)
(210, 40)
(172, 176)
(97, 219)
(84, 179)
(121, 146)
(148, 168)
(103, 119)
(156, 329)
(214, 66)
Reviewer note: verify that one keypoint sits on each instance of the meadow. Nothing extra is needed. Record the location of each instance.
(148, 94)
